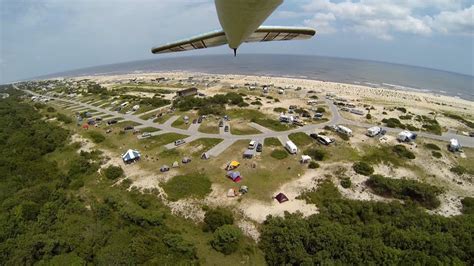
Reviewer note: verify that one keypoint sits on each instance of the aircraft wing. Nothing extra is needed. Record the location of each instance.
(207, 40)
(271, 33)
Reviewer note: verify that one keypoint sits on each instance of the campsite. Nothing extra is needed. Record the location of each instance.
(263, 164)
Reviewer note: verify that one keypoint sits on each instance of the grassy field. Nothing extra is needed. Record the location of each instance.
(180, 123)
(252, 115)
(195, 185)
(239, 127)
(272, 142)
(209, 126)
(301, 139)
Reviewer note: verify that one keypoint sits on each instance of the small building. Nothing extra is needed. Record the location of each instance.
(406, 136)
(357, 111)
(187, 92)
(131, 156)
(454, 145)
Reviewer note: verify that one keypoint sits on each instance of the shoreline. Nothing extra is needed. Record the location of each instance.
(338, 87)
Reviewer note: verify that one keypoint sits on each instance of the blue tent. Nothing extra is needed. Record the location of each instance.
(131, 156)
(233, 175)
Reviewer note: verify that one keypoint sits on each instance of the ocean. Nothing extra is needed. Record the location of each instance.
(352, 71)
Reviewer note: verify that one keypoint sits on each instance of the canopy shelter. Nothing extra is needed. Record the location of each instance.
(281, 198)
(232, 165)
(175, 164)
(131, 156)
(205, 156)
(235, 176)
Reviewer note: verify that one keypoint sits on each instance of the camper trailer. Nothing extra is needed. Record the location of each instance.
(344, 130)
(325, 140)
(454, 145)
(406, 136)
(291, 147)
(373, 131)
(286, 118)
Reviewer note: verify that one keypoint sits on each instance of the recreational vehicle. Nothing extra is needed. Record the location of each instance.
(344, 130)
(291, 147)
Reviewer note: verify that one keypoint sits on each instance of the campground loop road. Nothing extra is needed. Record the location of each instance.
(229, 139)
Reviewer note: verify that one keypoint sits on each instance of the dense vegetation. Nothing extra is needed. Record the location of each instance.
(363, 168)
(348, 232)
(215, 218)
(403, 152)
(46, 218)
(460, 119)
(183, 186)
(210, 105)
(422, 193)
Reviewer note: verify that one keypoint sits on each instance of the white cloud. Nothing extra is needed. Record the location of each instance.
(384, 18)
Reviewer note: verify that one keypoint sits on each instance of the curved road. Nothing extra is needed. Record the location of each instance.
(229, 139)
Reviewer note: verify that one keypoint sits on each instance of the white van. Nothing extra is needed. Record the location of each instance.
(373, 131)
(252, 145)
(291, 147)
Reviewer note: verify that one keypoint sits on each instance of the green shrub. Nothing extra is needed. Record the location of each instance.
(393, 123)
(403, 152)
(259, 103)
(313, 165)
(458, 169)
(411, 127)
(368, 116)
(184, 186)
(96, 136)
(320, 110)
(402, 109)
(50, 109)
(468, 205)
(436, 154)
(226, 239)
(64, 118)
(279, 110)
(346, 182)
(432, 146)
(316, 154)
(424, 194)
(113, 172)
(215, 218)
(279, 154)
(363, 168)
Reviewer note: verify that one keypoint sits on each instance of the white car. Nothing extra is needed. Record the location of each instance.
(252, 145)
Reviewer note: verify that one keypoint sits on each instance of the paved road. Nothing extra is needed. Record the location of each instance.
(266, 133)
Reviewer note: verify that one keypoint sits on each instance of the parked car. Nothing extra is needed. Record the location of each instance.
(127, 128)
(226, 129)
(146, 135)
(471, 134)
(111, 122)
(252, 144)
(194, 121)
(259, 147)
(221, 123)
(179, 142)
(200, 120)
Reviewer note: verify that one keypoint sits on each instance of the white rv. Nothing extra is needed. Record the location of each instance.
(291, 147)
(406, 136)
(373, 131)
(286, 118)
(344, 130)
(454, 145)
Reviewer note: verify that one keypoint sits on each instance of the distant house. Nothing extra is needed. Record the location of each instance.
(187, 92)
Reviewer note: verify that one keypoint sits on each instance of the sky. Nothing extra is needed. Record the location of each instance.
(40, 37)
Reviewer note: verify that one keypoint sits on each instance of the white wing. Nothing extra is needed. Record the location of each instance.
(218, 38)
(207, 40)
(271, 33)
